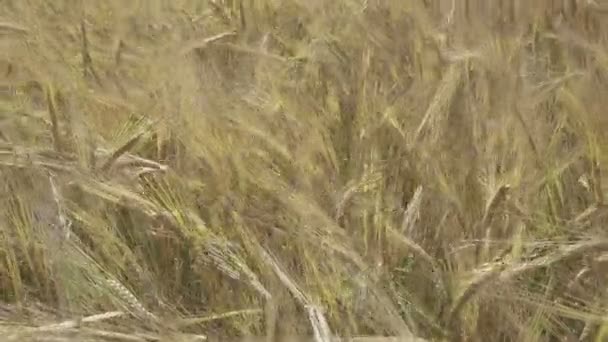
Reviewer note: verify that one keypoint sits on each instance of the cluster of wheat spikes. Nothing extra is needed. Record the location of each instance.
(181, 170)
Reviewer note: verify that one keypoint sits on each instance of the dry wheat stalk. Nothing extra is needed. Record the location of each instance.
(129, 298)
(224, 257)
(500, 271)
(416, 248)
(412, 213)
(64, 325)
(201, 44)
(322, 332)
(440, 104)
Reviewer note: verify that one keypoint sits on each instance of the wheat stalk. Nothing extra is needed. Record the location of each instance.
(491, 273)
(129, 298)
(440, 103)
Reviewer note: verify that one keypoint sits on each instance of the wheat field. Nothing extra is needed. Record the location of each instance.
(189, 170)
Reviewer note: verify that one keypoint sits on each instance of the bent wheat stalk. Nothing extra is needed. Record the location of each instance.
(498, 271)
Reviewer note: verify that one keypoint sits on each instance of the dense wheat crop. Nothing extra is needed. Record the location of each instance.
(172, 170)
